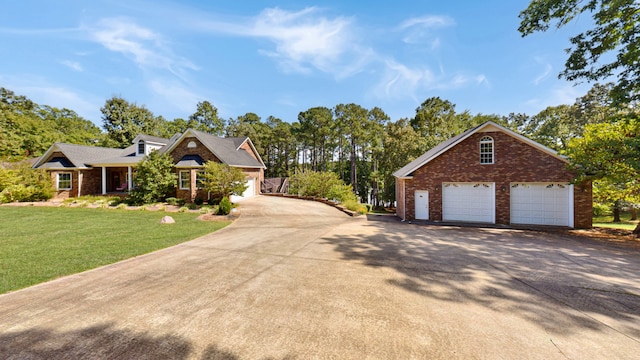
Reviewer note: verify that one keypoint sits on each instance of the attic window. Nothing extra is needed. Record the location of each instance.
(141, 147)
(486, 150)
(192, 145)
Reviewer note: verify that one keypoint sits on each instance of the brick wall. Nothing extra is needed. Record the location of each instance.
(514, 161)
(181, 150)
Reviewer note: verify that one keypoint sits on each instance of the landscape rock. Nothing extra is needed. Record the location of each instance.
(167, 220)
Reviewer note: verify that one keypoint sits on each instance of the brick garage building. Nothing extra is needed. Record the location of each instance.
(490, 174)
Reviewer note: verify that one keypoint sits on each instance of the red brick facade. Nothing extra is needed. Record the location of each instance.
(514, 161)
(201, 150)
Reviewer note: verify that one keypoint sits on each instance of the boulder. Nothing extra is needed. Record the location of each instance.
(167, 220)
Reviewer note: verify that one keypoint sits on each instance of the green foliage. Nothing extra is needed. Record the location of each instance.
(354, 205)
(224, 208)
(615, 30)
(206, 119)
(28, 129)
(601, 209)
(609, 155)
(221, 180)
(123, 121)
(321, 184)
(154, 179)
(24, 184)
(341, 193)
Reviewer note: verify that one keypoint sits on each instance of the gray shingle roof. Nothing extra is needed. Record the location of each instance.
(226, 150)
(155, 139)
(81, 156)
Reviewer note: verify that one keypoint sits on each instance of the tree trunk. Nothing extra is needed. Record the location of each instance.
(616, 212)
(637, 230)
(354, 178)
(634, 213)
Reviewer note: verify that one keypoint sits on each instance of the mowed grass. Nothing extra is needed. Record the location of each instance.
(42, 243)
(607, 221)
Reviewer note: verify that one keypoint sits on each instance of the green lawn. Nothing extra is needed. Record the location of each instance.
(42, 243)
(607, 221)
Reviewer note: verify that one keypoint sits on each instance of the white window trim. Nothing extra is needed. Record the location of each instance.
(70, 181)
(487, 140)
(144, 148)
(180, 179)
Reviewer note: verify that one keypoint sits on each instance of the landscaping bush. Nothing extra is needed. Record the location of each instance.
(354, 205)
(154, 179)
(198, 201)
(171, 201)
(341, 193)
(24, 184)
(225, 206)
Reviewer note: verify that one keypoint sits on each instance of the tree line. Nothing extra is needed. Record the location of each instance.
(362, 146)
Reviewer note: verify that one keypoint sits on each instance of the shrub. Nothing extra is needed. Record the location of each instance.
(225, 206)
(154, 179)
(198, 201)
(24, 184)
(341, 193)
(183, 209)
(192, 206)
(172, 201)
(354, 205)
(221, 180)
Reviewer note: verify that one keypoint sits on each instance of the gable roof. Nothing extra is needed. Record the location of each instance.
(80, 156)
(407, 170)
(227, 150)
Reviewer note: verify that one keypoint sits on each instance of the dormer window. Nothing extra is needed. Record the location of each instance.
(486, 150)
(141, 147)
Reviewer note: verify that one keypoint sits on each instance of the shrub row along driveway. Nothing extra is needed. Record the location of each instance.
(295, 279)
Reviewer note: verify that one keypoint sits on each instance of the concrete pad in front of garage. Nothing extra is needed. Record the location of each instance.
(297, 279)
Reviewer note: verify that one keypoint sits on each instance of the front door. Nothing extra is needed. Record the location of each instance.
(422, 204)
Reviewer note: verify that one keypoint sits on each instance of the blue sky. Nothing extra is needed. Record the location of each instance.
(280, 58)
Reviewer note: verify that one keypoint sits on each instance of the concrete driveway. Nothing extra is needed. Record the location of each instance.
(295, 280)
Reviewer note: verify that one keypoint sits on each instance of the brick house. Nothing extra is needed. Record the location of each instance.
(78, 170)
(490, 174)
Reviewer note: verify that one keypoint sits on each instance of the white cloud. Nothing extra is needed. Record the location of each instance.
(73, 65)
(558, 95)
(175, 94)
(420, 30)
(546, 72)
(303, 40)
(145, 47)
(428, 21)
(401, 81)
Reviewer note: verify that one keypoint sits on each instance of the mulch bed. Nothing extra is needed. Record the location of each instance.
(611, 236)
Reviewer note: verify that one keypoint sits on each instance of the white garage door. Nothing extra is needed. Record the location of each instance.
(473, 202)
(251, 191)
(542, 204)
